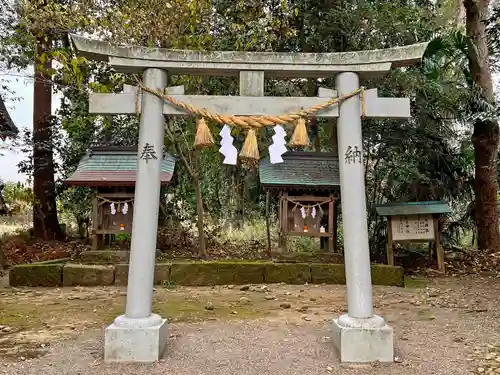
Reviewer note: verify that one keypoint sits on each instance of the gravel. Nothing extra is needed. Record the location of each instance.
(258, 347)
(453, 332)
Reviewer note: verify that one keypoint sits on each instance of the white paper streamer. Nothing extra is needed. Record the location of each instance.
(227, 149)
(303, 212)
(278, 147)
(125, 208)
(113, 208)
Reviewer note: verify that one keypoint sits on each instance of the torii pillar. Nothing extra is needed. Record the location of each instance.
(359, 335)
(139, 335)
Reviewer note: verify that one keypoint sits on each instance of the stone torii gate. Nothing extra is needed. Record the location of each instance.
(141, 336)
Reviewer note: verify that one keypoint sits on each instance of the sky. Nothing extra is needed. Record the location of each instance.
(21, 112)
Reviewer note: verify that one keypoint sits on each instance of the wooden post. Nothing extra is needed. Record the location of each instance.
(95, 219)
(439, 248)
(267, 225)
(284, 220)
(331, 228)
(280, 221)
(335, 224)
(390, 251)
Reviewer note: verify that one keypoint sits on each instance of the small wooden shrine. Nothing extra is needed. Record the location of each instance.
(111, 173)
(308, 184)
(414, 222)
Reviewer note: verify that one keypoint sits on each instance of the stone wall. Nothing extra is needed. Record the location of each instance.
(122, 257)
(196, 274)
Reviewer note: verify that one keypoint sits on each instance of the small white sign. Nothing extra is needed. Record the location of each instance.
(412, 227)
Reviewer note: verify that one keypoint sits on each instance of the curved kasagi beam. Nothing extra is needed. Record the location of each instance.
(277, 64)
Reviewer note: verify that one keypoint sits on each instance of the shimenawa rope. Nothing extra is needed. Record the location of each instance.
(250, 150)
(248, 122)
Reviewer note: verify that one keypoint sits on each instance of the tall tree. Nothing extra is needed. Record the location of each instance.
(45, 221)
(486, 135)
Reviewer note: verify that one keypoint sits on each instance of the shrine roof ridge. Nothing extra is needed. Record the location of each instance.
(413, 208)
(132, 58)
(114, 166)
(312, 170)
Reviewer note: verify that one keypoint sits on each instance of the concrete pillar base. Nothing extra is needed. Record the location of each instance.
(363, 340)
(130, 340)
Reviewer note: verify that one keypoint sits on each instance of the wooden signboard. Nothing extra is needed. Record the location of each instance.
(414, 222)
(412, 228)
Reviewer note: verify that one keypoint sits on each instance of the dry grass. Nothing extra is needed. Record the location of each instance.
(255, 231)
(7, 229)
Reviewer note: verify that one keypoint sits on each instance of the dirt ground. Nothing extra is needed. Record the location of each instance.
(443, 326)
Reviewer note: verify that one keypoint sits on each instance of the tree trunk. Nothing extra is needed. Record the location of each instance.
(199, 205)
(45, 221)
(195, 173)
(2, 258)
(485, 137)
(239, 199)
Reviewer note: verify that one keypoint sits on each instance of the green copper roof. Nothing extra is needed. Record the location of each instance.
(413, 208)
(114, 166)
(301, 170)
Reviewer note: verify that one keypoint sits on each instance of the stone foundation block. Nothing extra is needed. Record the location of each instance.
(363, 344)
(328, 273)
(88, 275)
(135, 344)
(36, 274)
(288, 273)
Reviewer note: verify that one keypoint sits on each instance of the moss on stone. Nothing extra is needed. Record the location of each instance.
(328, 273)
(216, 273)
(289, 273)
(88, 275)
(162, 273)
(249, 273)
(335, 274)
(387, 275)
(121, 274)
(104, 257)
(36, 275)
(55, 261)
(198, 274)
(308, 257)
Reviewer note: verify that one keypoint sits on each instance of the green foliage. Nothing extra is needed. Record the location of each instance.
(123, 237)
(76, 202)
(424, 158)
(18, 197)
(168, 284)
